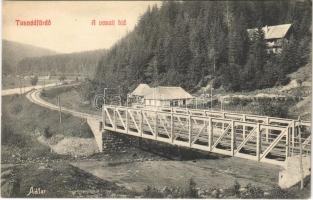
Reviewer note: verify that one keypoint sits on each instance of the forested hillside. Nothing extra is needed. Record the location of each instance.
(14, 52)
(190, 43)
(83, 63)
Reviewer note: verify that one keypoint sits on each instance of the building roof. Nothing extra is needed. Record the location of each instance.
(168, 93)
(141, 90)
(272, 32)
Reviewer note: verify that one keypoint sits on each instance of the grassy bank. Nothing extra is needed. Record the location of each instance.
(71, 98)
(23, 122)
(26, 162)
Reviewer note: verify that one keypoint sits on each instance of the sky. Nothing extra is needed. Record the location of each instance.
(71, 28)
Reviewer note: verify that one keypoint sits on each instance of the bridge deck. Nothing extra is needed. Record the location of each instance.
(259, 138)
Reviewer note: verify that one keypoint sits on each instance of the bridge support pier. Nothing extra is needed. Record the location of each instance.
(96, 127)
(291, 175)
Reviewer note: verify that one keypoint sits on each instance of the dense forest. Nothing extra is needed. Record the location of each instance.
(191, 43)
(84, 63)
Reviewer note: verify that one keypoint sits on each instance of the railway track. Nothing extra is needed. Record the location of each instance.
(34, 97)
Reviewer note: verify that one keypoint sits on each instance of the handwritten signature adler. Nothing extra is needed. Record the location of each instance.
(36, 191)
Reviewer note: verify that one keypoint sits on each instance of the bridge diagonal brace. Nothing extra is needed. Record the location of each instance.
(199, 133)
(121, 119)
(273, 144)
(195, 121)
(110, 119)
(221, 136)
(252, 132)
(306, 141)
(164, 127)
(148, 123)
(181, 123)
(133, 119)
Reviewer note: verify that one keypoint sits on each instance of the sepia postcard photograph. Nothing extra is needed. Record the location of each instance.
(156, 99)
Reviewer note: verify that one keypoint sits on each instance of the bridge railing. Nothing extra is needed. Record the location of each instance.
(224, 114)
(270, 140)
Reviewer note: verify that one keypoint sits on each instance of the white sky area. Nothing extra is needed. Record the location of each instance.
(71, 29)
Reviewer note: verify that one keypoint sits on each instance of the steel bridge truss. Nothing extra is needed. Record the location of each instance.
(259, 138)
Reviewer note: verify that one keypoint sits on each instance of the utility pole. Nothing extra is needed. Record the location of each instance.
(300, 158)
(214, 62)
(119, 95)
(211, 98)
(20, 85)
(60, 113)
(44, 83)
(104, 95)
(127, 100)
(203, 99)
(222, 103)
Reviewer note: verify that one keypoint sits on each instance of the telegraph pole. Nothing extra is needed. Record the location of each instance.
(203, 99)
(104, 95)
(211, 98)
(119, 95)
(20, 85)
(127, 100)
(60, 113)
(44, 83)
(222, 99)
(300, 158)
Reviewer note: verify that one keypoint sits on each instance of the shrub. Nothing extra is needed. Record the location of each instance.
(152, 192)
(254, 192)
(172, 192)
(47, 133)
(191, 191)
(272, 109)
(34, 80)
(17, 108)
(217, 82)
(62, 78)
(278, 193)
(6, 133)
(236, 188)
(11, 138)
(43, 93)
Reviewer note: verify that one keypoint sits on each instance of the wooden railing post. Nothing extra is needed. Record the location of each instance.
(232, 137)
(141, 123)
(300, 156)
(258, 141)
(172, 125)
(288, 140)
(293, 136)
(190, 129)
(127, 125)
(156, 125)
(244, 127)
(267, 131)
(210, 142)
(223, 125)
(114, 121)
